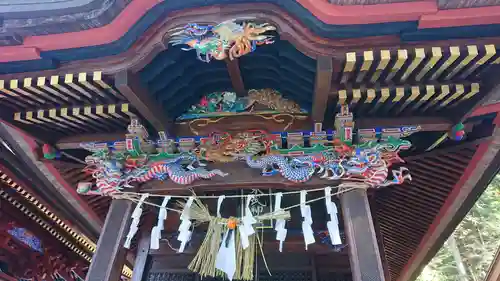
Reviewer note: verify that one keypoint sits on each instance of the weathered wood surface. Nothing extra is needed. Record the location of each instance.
(287, 261)
(364, 255)
(482, 168)
(109, 258)
(494, 270)
(233, 67)
(74, 142)
(240, 177)
(142, 257)
(322, 87)
(205, 127)
(131, 87)
(491, 86)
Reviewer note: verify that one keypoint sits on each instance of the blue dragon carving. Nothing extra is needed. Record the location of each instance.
(175, 170)
(292, 170)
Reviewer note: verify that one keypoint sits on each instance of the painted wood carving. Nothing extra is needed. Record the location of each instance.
(295, 156)
(26, 237)
(230, 39)
(261, 101)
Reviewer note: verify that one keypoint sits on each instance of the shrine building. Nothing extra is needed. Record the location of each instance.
(297, 140)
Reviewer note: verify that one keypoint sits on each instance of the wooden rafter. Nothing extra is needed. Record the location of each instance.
(483, 167)
(441, 151)
(427, 124)
(55, 243)
(233, 68)
(130, 86)
(73, 142)
(491, 85)
(151, 43)
(49, 186)
(16, 206)
(322, 87)
(41, 208)
(417, 99)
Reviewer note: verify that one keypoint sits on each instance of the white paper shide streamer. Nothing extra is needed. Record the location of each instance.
(305, 210)
(226, 257)
(184, 232)
(333, 224)
(246, 229)
(156, 232)
(219, 204)
(136, 217)
(280, 228)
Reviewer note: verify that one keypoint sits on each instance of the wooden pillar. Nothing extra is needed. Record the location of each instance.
(109, 257)
(142, 256)
(364, 254)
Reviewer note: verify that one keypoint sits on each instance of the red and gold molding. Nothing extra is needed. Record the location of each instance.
(83, 241)
(368, 14)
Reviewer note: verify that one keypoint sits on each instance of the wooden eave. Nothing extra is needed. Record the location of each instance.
(431, 83)
(26, 168)
(494, 270)
(56, 228)
(351, 21)
(484, 165)
(51, 228)
(75, 15)
(33, 203)
(54, 244)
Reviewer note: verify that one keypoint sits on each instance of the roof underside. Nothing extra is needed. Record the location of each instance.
(44, 42)
(177, 79)
(427, 80)
(405, 212)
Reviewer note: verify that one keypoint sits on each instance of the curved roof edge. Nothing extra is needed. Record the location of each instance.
(45, 52)
(16, 9)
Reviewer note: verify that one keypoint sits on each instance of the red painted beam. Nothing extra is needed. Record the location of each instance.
(54, 172)
(485, 109)
(17, 53)
(366, 14)
(461, 17)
